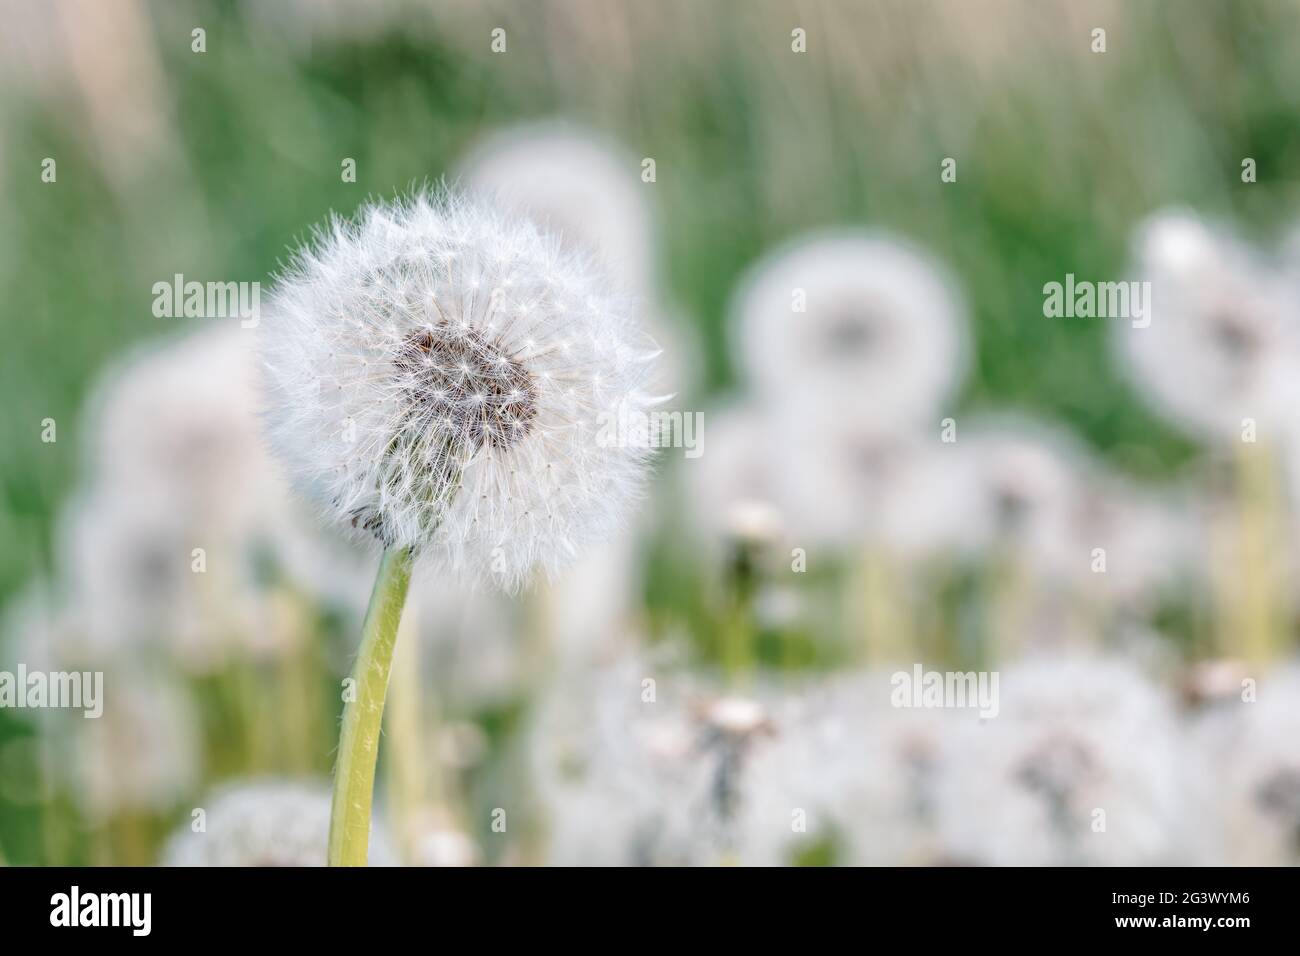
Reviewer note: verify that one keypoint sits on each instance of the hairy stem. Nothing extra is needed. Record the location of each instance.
(354, 775)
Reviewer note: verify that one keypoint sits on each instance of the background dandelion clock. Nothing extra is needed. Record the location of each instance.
(443, 377)
(1221, 345)
(850, 327)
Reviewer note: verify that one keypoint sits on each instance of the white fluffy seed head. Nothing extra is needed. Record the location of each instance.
(852, 328)
(1073, 734)
(1220, 344)
(588, 193)
(574, 184)
(1252, 770)
(443, 376)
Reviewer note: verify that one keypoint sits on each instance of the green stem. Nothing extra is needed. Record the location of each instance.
(354, 775)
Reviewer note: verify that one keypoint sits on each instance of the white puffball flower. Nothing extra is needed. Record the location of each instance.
(855, 486)
(574, 184)
(1221, 345)
(857, 326)
(731, 492)
(177, 466)
(144, 753)
(854, 772)
(1018, 493)
(1248, 747)
(630, 779)
(443, 376)
(175, 421)
(587, 191)
(40, 627)
(1149, 537)
(1084, 764)
(264, 822)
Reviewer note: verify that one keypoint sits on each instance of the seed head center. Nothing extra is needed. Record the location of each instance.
(468, 385)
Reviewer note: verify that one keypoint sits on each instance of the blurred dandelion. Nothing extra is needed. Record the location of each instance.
(1222, 345)
(141, 758)
(587, 192)
(183, 528)
(851, 329)
(437, 374)
(629, 781)
(848, 779)
(1248, 749)
(574, 185)
(1083, 766)
(1221, 358)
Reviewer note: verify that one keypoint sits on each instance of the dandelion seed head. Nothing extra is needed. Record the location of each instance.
(1074, 733)
(624, 782)
(1247, 750)
(572, 183)
(851, 326)
(177, 462)
(1219, 344)
(472, 422)
(732, 487)
(142, 754)
(860, 770)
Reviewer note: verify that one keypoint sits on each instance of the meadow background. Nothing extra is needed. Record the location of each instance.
(214, 164)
